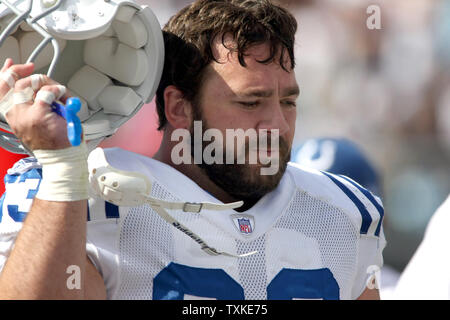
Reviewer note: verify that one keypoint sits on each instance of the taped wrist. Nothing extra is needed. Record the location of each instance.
(65, 175)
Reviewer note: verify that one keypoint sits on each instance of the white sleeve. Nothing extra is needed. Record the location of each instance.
(101, 248)
(7, 240)
(369, 263)
(427, 275)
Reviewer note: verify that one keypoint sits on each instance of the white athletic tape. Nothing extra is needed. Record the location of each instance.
(65, 175)
(62, 91)
(26, 95)
(45, 96)
(6, 103)
(9, 77)
(36, 80)
(23, 96)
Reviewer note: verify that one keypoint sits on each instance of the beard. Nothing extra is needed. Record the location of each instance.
(244, 181)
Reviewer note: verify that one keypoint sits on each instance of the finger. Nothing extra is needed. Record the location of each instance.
(23, 70)
(9, 97)
(9, 78)
(37, 81)
(25, 89)
(10, 73)
(8, 63)
(23, 97)
(49, 93)
(34, 81)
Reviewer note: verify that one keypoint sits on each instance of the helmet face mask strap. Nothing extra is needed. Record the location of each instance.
(115, 68)
(132, 189)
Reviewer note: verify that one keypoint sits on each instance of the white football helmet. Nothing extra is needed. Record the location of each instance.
(109, 53)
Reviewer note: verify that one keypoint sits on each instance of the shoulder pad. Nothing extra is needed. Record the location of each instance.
(123, 159)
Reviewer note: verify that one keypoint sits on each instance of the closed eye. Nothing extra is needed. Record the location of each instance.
(289, 103)
(249, 104)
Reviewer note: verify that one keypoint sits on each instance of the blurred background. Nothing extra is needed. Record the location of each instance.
(387, 90)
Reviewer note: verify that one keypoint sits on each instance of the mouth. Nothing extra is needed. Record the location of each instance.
(265, 156)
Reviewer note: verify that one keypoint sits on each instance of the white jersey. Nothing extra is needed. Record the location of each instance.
(316, 236)
(427, 275)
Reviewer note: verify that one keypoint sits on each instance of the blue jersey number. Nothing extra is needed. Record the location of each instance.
(176, 281)
(303, 284)
(20, 192)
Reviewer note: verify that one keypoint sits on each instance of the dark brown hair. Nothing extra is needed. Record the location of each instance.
(188, 38)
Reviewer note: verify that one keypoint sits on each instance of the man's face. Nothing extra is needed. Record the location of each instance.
(258, 97)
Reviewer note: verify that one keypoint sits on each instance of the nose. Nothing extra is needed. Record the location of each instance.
(274, 118)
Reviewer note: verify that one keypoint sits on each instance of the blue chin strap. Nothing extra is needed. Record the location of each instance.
(69, 112)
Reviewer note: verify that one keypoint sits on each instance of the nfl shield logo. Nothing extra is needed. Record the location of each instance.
(245, 226)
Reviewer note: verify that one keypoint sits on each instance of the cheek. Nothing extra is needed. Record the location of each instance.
(291, 119)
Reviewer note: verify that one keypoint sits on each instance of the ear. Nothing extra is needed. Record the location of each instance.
(177, 108)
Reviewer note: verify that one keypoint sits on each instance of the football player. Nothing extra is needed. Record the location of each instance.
(160, 228)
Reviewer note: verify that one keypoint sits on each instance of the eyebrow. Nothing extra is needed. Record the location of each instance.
(291, 91)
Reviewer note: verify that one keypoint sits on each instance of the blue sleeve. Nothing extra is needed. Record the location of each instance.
(22, 184)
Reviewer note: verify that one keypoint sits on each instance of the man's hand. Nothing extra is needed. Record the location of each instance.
(53, 235)
(32, 120)
(18, 71)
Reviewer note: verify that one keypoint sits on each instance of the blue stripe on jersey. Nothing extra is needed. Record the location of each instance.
(112, 211)
(10, 178)
(35, 173)
(369, 196)
(366, 218)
